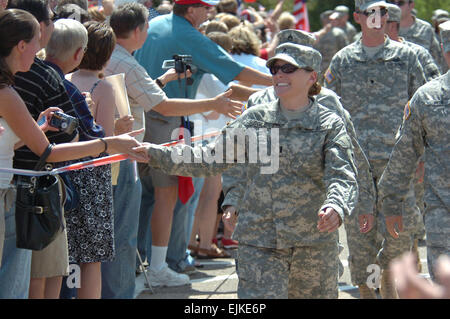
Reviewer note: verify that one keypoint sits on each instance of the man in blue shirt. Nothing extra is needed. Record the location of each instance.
(177, 33)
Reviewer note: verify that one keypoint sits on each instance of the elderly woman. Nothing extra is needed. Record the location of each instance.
(290, 212)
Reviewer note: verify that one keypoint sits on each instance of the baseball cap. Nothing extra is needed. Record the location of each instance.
(445, 35)
(296, 37)
(395, 13)
(208, 3)
(363, 5)
(299, 55)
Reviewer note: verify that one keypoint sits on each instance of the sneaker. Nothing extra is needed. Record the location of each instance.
(229, 243)
(166, 277)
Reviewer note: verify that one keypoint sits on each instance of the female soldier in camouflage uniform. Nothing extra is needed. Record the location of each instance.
(289, 217)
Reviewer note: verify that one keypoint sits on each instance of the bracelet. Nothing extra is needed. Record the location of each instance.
(106, 144)
(158, 81)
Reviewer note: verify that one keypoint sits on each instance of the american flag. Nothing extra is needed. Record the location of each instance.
(301, 14)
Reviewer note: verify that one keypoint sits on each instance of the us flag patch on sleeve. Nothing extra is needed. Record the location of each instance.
(329, 76)
(407, 111)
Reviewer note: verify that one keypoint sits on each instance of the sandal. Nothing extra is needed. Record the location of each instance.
(213, 252)
(194, 250)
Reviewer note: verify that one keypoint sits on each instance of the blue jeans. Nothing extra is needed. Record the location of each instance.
(118, 276)
(16, 263)
(144, 243)
(183, 219)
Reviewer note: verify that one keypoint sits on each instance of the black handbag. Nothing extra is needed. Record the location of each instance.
(39, 208)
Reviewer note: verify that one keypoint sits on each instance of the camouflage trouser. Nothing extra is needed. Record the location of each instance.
(302, 272)
(437, 226)
(363, 249)
(419, 190)
(395, 247)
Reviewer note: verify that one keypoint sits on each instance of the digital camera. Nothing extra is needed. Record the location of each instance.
(65, 123)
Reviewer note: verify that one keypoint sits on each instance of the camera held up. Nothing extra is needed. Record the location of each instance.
(181, 63)
(63, 122)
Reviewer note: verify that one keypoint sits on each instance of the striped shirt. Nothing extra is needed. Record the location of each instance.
(88, 129)
(41, 88)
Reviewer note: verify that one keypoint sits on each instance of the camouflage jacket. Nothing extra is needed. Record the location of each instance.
(430, 68)
(424, 131)
(279, 207)
(330, 100)
(375, 90)
(329, 44)
(422, 33)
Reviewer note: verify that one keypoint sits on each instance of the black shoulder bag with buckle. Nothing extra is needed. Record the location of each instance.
(39, 207)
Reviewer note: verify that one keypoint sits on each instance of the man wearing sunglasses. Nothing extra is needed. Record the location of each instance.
(375, 78)
(420, 32)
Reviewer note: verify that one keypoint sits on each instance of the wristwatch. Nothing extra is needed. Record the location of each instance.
(158, 81)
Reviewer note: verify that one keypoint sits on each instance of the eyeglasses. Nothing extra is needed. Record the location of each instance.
(383, 12)
(285, 68)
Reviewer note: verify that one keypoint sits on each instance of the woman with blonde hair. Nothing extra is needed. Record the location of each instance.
(246, 48)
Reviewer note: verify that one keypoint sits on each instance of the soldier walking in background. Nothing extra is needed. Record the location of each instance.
(424, 131)
(375, 77)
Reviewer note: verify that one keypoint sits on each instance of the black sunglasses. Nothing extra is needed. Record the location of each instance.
(285, 68)
(383, 12)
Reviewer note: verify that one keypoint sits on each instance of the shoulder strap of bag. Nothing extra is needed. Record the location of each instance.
(44, 157)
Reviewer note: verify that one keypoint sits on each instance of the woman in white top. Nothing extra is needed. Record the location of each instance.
(19, 43)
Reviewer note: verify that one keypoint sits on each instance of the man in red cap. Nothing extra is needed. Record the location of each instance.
(169, 35)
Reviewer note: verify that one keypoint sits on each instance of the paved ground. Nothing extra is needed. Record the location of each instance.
(217, 279)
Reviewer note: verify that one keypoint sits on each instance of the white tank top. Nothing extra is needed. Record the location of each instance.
(7, 141)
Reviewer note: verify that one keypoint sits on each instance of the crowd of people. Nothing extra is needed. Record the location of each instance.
(355, 124)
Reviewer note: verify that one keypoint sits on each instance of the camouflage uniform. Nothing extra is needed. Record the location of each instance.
(424, 131)
(366, 201)
(421, 33)
(350, 31)
(373, 90)
(280, 249)
(328, 45)
(279, 211)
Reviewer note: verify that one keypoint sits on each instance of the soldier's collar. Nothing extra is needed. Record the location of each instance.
(385, 54)
(308, 121)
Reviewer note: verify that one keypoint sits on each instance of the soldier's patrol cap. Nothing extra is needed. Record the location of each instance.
(439, 13)
(442, 17)
(340, 11)
(208, 3)
(363, 5)
(395, 13)
(445, 35)
(299, 55)
(296, 37)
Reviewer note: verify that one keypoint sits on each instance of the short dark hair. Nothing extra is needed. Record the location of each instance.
(127, 17)
(38, 8)
(101, 43)
(83, 4)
